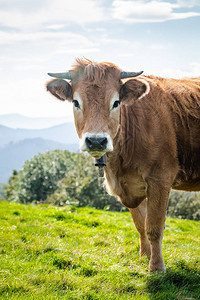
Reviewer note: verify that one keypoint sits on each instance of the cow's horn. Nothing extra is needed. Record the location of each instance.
(130, 74)
(65, 75)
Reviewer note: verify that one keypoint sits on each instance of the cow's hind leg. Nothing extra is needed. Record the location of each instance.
(139, 216)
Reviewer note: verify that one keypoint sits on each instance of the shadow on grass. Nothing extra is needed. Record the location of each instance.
(180, 282)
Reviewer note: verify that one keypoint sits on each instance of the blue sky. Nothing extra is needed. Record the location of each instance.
(40, 36)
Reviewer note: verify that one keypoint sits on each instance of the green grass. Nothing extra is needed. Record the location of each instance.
(65, 253)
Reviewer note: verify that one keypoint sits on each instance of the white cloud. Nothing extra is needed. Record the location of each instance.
(77, 52)
(29, 67)
(151, 11)
(190, 70)
(84, 11)
(49, 13)
(157, 47)
(28, 96)
(24, 48)
(188, 3)
(69, 37)
(55, 26)
(195, 69)
(15, 59)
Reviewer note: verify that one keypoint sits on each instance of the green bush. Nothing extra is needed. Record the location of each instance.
(82, 187)
(184, 205)
(59, 178)
(39, 177)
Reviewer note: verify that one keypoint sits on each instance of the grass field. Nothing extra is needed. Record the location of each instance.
(68, 253)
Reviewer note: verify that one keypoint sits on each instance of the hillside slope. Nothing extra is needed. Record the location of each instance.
(70, 253)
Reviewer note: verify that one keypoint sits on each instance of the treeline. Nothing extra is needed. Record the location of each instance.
(63, 178)
(59, 178)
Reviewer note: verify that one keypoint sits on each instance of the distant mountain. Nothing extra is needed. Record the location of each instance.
(64, 133)
(13, 155)
(18, 145)
(20, 121)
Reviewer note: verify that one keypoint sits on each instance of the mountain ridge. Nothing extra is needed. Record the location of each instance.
(64, 133)
(13, 155)
(20, 121)
(19, 144)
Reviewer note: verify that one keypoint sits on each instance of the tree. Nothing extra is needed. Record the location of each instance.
(82, 186)
(60, 177)
(39, 176)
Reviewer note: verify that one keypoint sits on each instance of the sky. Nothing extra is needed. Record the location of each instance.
(161, 37)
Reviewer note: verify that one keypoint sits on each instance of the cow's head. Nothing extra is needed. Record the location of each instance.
(96, 90)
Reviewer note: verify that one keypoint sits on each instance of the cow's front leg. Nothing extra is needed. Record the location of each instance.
(158, 195)
(139, 216)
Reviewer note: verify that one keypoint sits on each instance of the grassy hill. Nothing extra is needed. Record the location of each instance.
(69, 253)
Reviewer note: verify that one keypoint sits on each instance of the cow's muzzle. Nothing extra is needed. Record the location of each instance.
(96, 144)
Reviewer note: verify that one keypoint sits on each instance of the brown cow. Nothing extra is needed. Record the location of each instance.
(149, 128)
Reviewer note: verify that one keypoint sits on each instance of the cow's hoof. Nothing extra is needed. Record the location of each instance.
(155, 268)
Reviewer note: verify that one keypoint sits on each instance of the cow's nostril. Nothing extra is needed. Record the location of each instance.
(103, 142)
(88, 142)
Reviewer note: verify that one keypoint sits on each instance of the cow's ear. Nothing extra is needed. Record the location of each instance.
(59, 88)
(133, 89)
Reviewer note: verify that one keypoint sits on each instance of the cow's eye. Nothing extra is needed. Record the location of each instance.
(116, 104)
(76, 104)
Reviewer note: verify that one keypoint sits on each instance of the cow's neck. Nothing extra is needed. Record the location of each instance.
(132, 141)
(122, 163)
(124, 142)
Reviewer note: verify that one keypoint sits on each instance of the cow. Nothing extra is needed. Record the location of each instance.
(149, 130)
